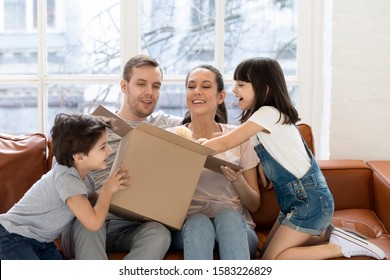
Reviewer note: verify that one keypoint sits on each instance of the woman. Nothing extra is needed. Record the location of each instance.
(218, 215)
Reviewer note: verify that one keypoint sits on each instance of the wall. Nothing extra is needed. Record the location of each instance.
(360, 80)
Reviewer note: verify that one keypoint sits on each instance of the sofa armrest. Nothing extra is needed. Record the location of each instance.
(23, 160)
(307, 135)
(350, 182)
(381, 190)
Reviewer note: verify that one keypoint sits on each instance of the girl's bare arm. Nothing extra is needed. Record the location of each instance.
(233, 138)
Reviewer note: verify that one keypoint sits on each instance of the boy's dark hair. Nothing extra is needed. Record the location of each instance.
(138, 61)
(76, 133)
(221, 116)
(266, 74)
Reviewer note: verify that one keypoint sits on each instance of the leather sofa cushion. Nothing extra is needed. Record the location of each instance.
(22, 163)
(365, 222)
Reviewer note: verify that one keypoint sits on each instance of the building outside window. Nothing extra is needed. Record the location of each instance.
(67, 56)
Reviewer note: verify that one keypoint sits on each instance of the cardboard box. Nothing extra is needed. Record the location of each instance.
(165, 170)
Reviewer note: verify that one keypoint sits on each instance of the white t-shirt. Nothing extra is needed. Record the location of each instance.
(284, 142)
(214, 192)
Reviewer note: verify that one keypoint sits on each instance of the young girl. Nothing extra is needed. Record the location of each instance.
(218, 217)
(28, 229)
(306, 204)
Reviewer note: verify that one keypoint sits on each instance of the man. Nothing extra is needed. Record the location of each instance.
(140, 85)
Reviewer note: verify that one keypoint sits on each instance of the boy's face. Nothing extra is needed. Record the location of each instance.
(141, 93)
(245, 94)
(98, 155)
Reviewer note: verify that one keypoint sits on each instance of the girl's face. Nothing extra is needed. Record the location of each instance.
(202, 92)
(245, 94)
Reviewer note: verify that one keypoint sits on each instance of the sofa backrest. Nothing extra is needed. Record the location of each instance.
(23, 160)
(350, 182)
(307, 135)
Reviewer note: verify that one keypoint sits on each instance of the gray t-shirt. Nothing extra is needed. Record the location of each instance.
(42, 213)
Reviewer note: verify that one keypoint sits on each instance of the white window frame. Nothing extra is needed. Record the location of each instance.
(30, 19)
(309, 61)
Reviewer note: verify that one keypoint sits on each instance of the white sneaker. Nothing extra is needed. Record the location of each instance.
(353, 245)
(349, 229)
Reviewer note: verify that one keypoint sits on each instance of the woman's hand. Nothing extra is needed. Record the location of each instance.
(232, 175)
(246, 186)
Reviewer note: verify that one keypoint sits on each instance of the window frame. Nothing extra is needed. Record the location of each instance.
(309, 59)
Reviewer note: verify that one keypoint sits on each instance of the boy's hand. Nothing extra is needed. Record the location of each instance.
(118, 180)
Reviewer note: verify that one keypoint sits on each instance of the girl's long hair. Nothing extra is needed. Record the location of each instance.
(269, 85)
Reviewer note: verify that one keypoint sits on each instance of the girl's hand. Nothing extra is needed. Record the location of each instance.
(232, 175)
(264, 180)
(118, 180)
(201, 140)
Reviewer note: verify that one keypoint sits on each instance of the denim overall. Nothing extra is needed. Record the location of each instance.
(306, 203)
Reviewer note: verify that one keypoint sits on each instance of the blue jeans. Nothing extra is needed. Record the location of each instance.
(16, 247)
(235, 239)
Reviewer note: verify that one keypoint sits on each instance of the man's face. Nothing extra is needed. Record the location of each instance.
(141, 92)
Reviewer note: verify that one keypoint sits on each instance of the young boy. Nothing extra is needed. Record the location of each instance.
(28, 229)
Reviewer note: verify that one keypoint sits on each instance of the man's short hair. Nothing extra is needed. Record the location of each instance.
(138, 61)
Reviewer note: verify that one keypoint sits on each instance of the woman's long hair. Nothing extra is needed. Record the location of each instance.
(221, 115)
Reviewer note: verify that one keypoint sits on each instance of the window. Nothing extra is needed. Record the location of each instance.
(67, 56)
(15, 15)
(183, 34)
(21, 15)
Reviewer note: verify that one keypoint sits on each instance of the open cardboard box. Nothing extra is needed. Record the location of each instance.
(164, 169)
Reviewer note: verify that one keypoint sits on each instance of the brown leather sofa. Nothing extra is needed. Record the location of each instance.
(361, 189)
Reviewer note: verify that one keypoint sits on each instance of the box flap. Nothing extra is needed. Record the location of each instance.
(121, 127)
(174, 138)
(213, 163)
